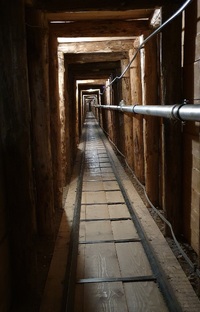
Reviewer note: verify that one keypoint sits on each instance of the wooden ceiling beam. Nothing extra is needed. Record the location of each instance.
(100, 15)
(99, 5)
(96, 70)
(94, 66)
(105, 46)
(99, 29)
(95, 57)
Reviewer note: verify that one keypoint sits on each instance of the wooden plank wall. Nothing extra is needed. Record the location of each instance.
(17, 165)
(5, 279)
(40, 115)
(170, 93)
(191, 130)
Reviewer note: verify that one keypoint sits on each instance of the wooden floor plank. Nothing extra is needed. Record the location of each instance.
(94, 177)
(103, 159)
(144, 296)
(108, 176)
(97, 212)
(97, 231)
(104, 297)
(92, 171)
(82, 232)
(110, 185)
(135, 263)
(93, 197)
(79, 298)
(118, 211)
(108, 169)
(101, 261)
(80, 262)
(124, 229)
(105, 165)
(93, 186)
(114, 197)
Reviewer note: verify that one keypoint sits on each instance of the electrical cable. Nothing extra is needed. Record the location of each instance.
(146, 40)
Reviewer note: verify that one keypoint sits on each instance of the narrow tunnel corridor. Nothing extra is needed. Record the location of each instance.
(131, 70)
(111, 265)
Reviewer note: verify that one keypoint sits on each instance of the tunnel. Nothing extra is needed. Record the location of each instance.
(97, 98)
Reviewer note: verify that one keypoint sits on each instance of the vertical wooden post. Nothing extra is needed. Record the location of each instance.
(171, 132)
(55, 123)
(128, 120)
(67, 124)
(16, 149)
(37, 44)
(61, 75)
(151, 124)
(136, 98)
(108, 112)
(73, 117)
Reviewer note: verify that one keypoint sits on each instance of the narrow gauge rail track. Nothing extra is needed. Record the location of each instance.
(111, 264)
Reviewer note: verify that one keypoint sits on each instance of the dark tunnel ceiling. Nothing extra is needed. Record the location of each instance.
(96, 70)
(73, 58)
(89, 10)
(100, 5)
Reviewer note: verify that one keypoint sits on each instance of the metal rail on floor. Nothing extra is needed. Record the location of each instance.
(158, 275)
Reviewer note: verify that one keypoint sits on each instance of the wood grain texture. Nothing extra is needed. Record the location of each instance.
(114, 197)
(124, 229)
(100, 261)
(144, 296)
(105, 297)
(133, 260)
(94, 230)
(118, 211)
(97, 212)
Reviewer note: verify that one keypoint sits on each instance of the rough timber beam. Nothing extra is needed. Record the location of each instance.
(100, 15)
(101, 5)
(94, 57)
(99, 29)
(104, 46)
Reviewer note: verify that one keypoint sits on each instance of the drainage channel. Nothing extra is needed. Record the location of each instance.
(111, 266)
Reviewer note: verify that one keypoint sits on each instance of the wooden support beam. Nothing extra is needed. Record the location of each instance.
(94, 57)
(136, 98)
(55, 123)
(128, 120)
(171, 130)
(15, 140)
(67, 126)
(63, 5)
(37, 46)
(151, 124)
(100, 15)
(191, 130)
(104, 46)
(99, 29)
(96, 70)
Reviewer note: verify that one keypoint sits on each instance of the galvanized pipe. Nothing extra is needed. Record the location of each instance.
(178, 111)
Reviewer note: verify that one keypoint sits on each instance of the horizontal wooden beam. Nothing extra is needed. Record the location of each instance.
(96, 70)
(100, 15)
(94, 66)
(105, 47)
(99, 5)
(99, 29)
(95, 57)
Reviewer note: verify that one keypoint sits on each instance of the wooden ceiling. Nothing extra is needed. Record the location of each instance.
(101, 15)
(122, 17)
(97, 5)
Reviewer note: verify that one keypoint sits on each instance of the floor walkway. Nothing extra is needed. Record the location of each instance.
(108, 268)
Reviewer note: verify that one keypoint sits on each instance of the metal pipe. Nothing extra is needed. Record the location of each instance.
(178, 111)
